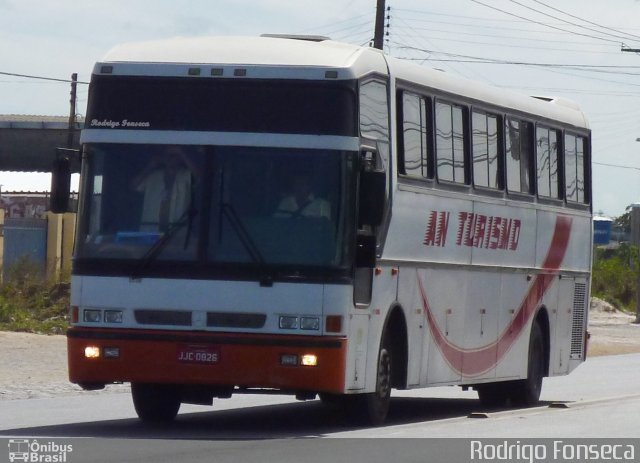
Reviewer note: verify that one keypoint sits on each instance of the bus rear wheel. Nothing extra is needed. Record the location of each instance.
(527, 391)
(156, 403)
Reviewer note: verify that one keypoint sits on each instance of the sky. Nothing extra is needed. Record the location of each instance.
(570, 49)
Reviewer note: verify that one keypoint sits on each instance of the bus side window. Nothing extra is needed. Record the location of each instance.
(374, 116)
(575, 172)
(485, 149)
(450, 142)
(547, 163)
(519, 156)
(414, 150)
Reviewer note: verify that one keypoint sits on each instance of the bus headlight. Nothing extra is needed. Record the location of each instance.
(92, 316)
(310, 323)
(113, 316)
(309, 360)
(288, 322)
(92, 352)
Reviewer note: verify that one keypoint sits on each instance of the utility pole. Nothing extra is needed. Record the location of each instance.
(72, 110)
(378, 33)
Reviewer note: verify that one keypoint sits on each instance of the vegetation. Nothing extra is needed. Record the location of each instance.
(615, 276)
(32, 303)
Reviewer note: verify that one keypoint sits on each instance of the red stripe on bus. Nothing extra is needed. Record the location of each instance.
(476, 361)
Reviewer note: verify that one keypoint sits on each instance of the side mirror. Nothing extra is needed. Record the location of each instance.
(60, 185)
(371, 197)
(365, 251)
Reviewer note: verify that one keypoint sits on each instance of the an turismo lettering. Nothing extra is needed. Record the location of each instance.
(474, 231)
(488, 231)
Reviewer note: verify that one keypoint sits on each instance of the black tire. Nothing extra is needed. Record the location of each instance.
(372, 409)
(527, 392)
(156, 403)
(379, 401)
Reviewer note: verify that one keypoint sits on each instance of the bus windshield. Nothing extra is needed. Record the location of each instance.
(224, 205)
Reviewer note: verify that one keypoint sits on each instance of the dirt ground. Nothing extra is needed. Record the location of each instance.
(35, 366)
(612, 332)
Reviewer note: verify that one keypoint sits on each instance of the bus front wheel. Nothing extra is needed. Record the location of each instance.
(156, 403)
(372, 408)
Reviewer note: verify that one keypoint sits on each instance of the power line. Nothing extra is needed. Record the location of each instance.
(626, 36)
(615, 165)
(584, 67)
(544, 24)
(585, 20)
(555, 68)
(506, 45)
(52, 79)
(328, 27)
(503, 36)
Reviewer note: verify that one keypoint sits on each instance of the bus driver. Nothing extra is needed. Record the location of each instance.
(166, 183)
(302, 201)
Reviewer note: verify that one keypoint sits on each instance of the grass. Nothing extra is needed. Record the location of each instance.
(31, 303)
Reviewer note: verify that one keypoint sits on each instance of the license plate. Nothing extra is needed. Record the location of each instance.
(198, 354)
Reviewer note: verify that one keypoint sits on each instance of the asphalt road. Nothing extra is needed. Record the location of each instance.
(600, 399)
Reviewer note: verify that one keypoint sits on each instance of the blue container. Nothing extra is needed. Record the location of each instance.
(602, 230)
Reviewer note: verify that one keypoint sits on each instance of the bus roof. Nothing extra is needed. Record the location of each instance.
(553, 108)
(315, 52)
(266, 50)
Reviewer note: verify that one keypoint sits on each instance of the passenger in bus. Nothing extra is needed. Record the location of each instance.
(166, 183)
(302, 201)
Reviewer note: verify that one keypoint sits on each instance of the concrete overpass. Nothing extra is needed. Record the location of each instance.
(28, 143)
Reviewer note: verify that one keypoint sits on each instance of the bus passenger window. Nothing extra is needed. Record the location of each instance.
(518, 155)
(574, 160)
(414, 136)
(485, 150)
(450, 142)
(547, 162)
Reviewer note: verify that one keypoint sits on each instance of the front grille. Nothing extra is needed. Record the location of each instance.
(236, 320)
(163, 317)
(578, 319)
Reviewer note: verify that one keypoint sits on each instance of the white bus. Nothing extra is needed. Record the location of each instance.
(299, 215)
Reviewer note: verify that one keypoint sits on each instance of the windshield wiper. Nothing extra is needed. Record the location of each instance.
(186, 219)
(247, 241)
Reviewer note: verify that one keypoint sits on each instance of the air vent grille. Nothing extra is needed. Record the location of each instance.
(236, 320)
(163, 317)
(578, 320)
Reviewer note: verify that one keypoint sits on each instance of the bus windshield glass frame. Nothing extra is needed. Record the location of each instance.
(221, 209)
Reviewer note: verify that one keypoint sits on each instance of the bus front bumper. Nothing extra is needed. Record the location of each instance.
(289, 363)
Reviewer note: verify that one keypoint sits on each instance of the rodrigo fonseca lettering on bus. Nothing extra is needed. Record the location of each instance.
(124, 123)
(556, 450)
